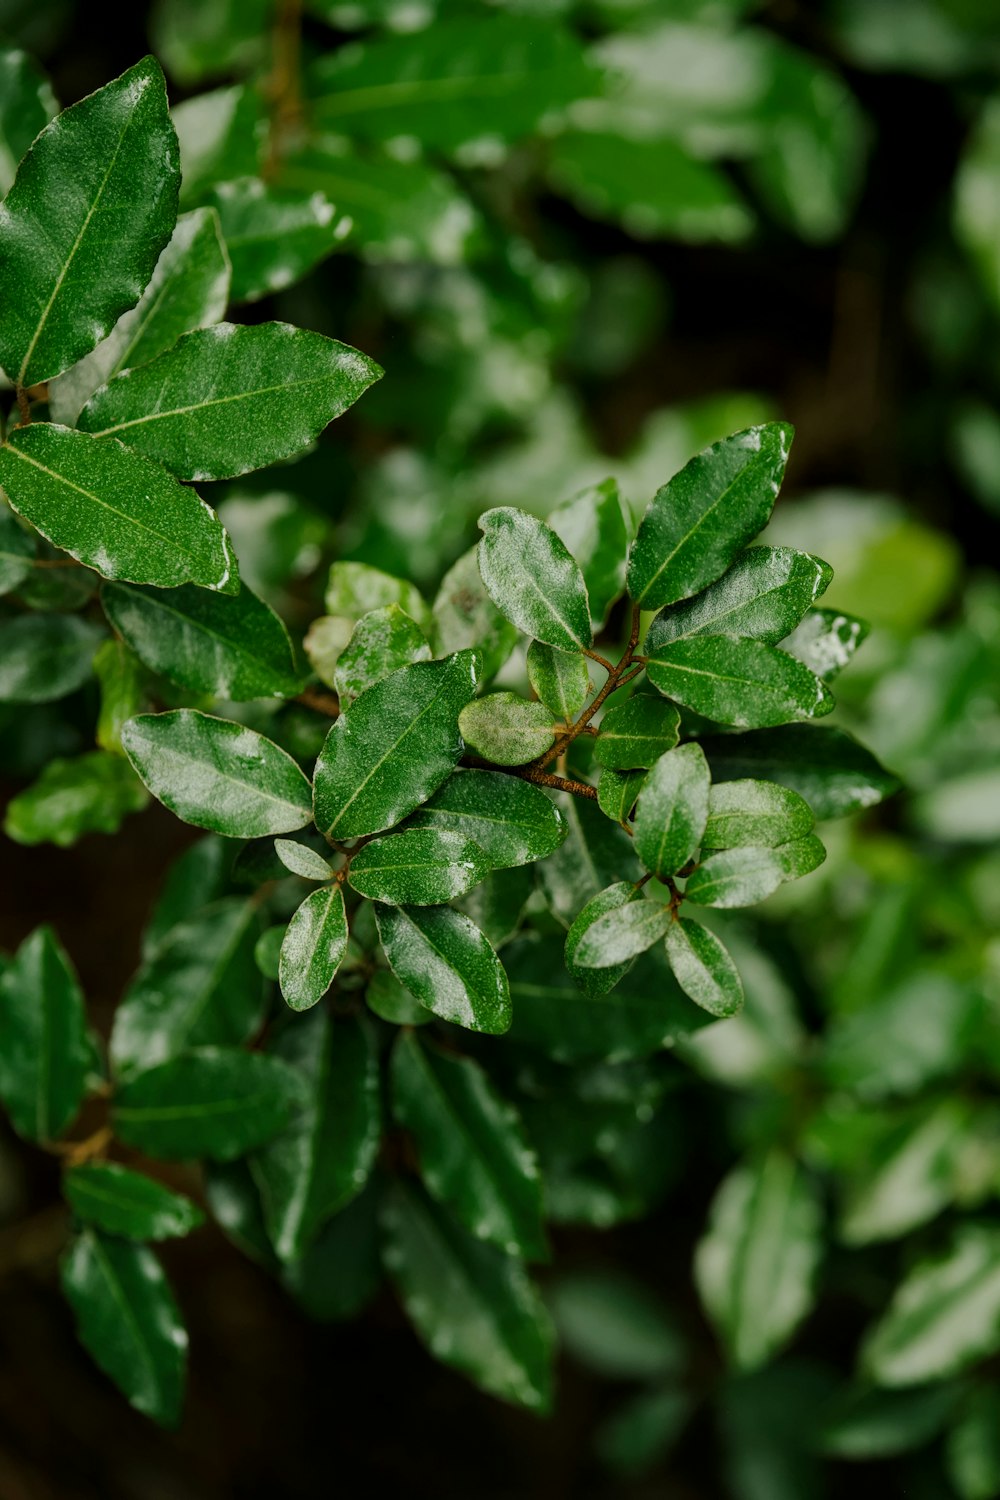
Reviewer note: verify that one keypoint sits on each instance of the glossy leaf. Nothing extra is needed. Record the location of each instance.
(475, 1307)
(43, 657)
(704, 969)
(464, 615)
(447, 964)
(27, 104)
(763, 595)
(756, 1265)
(189, 289)
(702, 518)
(302, 860)
(313, 947)
(127, 1319)
(755, 812)
(17, 548)
(617, 792)
(513, 822)
(617, 936)
(741, 682)
(231, 646)
(827, 767)
(382, 641)
(91, 793)
(507, 729)
(310, 1171)
(673, 810)
(596, 526)
(200, 988)
(419, 867)
(228, 399)
(392, 747)
(214, 1102)
(744, 876)
(355, 589)
(636, 733)
(45, 1054)
(273, 237)
(533, 580)
(125, 1203)
(473, 1153)
(598, 979)
(560, 679)
(593, 854)
(217, 774)
(105, 172)
(114, 510)
(825, 641)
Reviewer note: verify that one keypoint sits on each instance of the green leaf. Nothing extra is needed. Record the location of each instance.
(273, 237)
(473, 1153)
(755, 812)
(561, 680)
(825, 641)
(744, 876)
(17, 547)
(915, 1030)
(673, 810)
(199, 877)
(907, 1174)
(382, 641)
(235, 1205)
(944, 1316)
(512, 822)
(45, 1055)
(763, 595)
(127, 1319)
(636, 733)
(189, 289)
(222, 136)
(702, 518)
(464, 615)
(200, 988)
(114, 510)
(704, 969)
(341, 1270)
(105, 173)
(232, 646)
(324, 1159)
(43, 657)
(869, 1424)
(617, 936)
(313, 947)
(755, 1267)
(302, 860)
(355, 589)
(215, 1102)
(475, 1307)
(122, 680)
(91, 793)
(973, 1449)
(200, 38)
(601, 979)
(128, 1204)
(217, 774)
(447, 964)
(596, 526)
(27, 104)
(594, 854)
(741, 682)
(617, 792)
(533, 580)
(393, 747)
(390, 1001)
(827, 767)
(228, 399)
(507, 729)
(420, 867)
(457, 81)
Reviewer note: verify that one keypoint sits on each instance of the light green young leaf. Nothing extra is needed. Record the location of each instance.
(228, 399)
(313, 947)
(744, 876)
(741, 682)
(105, 172)
(354, 589)
(617, 792)
(474, 1156)
(45, 1055)
(533, 580)
(273, 237)
(217, 774)
(382, 641)
(704, 969)
(324, 644)
(673, 810)
(617, 936)
(127, 1319)
(128, 1204)
(200, 988)
(560, 678)
(763, 595)
(17, 546)
(507, 729)
(764, 813)
(392, 747)
(825, 640)
(418, 867)
(603, 978)
(702, 518)
(475, 1307)
(302, 860)
(91, 793)
(189, 289)
(636, 733)
(122, 680)
(513, 822)
(827, 767)
(447, 964)
(114, 510)
(231, 646)
(44, 657)
(756, 1265)
(596, 526)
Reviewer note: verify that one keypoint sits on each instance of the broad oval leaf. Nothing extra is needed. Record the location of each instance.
(749, 811)
(273, 236)
(104, 173)
(418, 867)
(702, 518)
(617, 936)
(513, 822)
(673, 810)
(617, 793)
(742, 682)
(447, 964)
(636, 733)
(827, 767)
(507, 729)
(393, 747)
(44, 657)
(533, 580)
(703, 968)
(382, 641)
(217, 774)
(763, 595)
(231, 646)
(128, 1204)
(44, 1051)
(313, 947)
(560, 678)
(302, 860)
(127, 1319)
(228, 399)
(744, 876)
(598, 980)
(114, 510)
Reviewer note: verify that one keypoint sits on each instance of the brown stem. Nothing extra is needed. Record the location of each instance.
(23, 407)
(323, 703)
(615, 679)
(539, 777)
(283, 84)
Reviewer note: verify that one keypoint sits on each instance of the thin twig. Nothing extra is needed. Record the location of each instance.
(615, 679)
(539, 777)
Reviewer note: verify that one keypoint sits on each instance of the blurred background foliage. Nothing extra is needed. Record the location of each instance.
(687, 216)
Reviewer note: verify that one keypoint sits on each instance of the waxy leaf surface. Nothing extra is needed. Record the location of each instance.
(703, 968)
(313, 947)
(447, 964)
(763, 595)
(533, 580)
(418, 867)
(673, 810)
(513, 822)
(735, 681)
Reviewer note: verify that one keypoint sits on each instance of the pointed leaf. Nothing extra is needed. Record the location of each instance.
(447, 964)
(128, 1204)
(302, 860)
(617, 792)
(419, 867)
(91, 793)
(216, 774)
(636, 733)
(506, 729)
(598, 980)
(273, 237)
(825, 641)
(620, 935)
(763, 595)
(382, 641)
(673, 810)
(741, 682)
(744, 876)
(595, 526)
(827, 767)
(702, 518)
(560, 679)
(511, 821)
(44, 1052)
(755, 812)
(44, 657)
(464, 615)
(533, 580)
(313, 947)
(703, 968)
